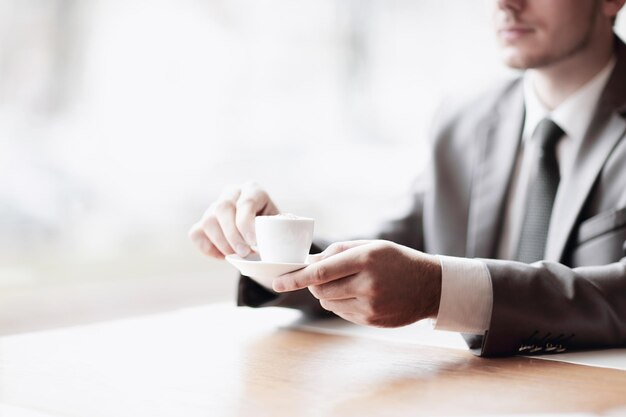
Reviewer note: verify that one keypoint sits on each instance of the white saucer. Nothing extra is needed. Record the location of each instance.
(263, 272)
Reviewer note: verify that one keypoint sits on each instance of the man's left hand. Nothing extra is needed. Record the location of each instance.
(377, 283)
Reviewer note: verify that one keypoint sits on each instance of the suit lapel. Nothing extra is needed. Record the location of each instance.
(495, 160)
(605, 131)
(573, 192)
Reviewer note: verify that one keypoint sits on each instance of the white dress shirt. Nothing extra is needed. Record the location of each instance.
(466, 291)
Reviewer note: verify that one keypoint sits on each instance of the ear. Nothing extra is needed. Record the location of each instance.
(610, 8)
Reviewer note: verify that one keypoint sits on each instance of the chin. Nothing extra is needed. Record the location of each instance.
(520, 60)
(515, 64)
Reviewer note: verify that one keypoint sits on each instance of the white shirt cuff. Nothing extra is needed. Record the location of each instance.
(466, 296)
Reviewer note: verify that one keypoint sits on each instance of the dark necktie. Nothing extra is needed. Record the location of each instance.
(541, 194)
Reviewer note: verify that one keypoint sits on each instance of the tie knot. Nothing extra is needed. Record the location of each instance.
(548, 134)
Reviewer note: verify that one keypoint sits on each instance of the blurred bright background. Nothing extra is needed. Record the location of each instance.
(122, 120)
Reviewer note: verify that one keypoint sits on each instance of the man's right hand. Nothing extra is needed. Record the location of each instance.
(227, 226)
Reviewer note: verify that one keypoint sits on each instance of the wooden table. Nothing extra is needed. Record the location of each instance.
(220, 360)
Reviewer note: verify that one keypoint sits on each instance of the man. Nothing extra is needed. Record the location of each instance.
(526, 198)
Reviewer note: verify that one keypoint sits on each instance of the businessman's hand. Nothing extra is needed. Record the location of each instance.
(376, 283)
(228, 224)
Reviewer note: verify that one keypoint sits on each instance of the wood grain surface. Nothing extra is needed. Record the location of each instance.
(225, 361)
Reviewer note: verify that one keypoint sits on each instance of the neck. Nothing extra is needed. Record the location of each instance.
(556, 82)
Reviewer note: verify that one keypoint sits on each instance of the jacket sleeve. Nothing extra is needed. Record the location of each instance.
(547, 307)
(407, 230)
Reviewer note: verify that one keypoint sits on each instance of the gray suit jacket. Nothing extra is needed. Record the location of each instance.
(576, 297)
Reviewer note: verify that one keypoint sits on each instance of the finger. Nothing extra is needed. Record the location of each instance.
(311, 259)
(213, 231)
(225, 214)
(253, 201)
(334, 249)
(338, 247)
(347, 307)
(355, 310)
(349, 317)
(230, 193)
(342, 265)
(336, 290)
(202, 242)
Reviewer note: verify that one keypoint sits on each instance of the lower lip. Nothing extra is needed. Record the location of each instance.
(514, 34)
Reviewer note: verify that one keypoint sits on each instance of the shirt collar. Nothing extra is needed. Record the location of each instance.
(574, 114)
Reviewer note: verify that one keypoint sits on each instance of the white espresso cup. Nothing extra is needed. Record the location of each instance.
(284, 238)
